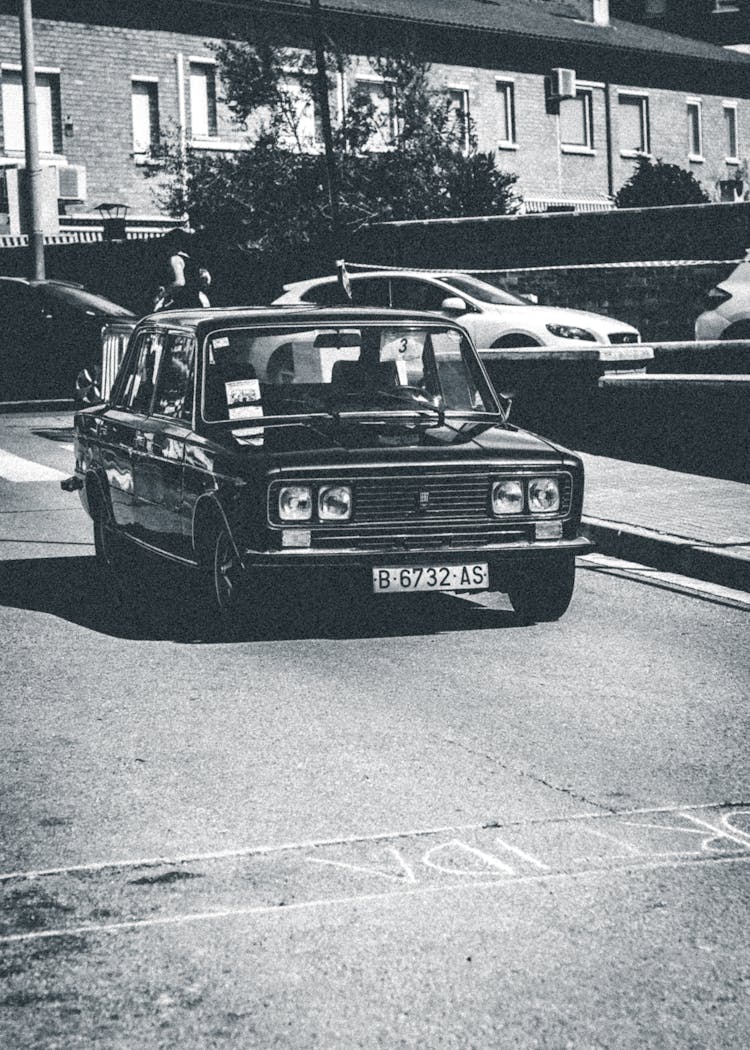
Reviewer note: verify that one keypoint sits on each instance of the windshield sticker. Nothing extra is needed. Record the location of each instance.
(243, 398)
(398, 345)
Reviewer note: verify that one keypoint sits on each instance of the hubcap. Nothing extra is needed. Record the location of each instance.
(226, 572)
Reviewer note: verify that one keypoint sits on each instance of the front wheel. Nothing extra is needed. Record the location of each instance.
(542, 592)
(227, 575)
(115, 563)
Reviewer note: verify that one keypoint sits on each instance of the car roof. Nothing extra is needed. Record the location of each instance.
(311, 282)
(43, 282)
(204, 320)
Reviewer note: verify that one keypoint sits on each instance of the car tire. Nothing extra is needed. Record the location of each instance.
(542, 592)
(116, 563)
(738, 330)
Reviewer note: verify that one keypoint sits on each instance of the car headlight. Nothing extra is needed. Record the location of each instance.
(334, 503)
(544, 495)
(295, 503)
(507, 497)
(567, 331)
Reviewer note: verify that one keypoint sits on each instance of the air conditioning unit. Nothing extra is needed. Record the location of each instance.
(562, 83)
(71, 182)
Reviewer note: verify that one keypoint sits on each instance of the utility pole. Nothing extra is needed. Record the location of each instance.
(325, 116)
(31, 133)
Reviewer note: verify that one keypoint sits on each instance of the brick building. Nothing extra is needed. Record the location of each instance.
(564, 94)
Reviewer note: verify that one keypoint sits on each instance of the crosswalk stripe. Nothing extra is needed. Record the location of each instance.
(15, 468)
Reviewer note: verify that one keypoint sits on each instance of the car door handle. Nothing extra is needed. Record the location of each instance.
(139, 443)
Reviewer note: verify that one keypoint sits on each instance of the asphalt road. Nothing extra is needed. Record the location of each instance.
(377, 823)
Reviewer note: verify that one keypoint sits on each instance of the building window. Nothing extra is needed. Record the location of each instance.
(506, 97)
(458, 106)
(145, 105)
(634, 124)
(381, 96)
(304, 127)
(203, 123)
(695, 130)
(576, 123)
(48, 112)
(730, 132)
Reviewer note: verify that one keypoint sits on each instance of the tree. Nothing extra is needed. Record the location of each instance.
(656, 184)
(416, 158)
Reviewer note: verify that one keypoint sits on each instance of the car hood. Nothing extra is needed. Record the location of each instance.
(352, 443)
(544, 315)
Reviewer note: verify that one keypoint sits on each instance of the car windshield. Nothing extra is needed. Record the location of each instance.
(252, 373)
(83, 300)
(486, 293)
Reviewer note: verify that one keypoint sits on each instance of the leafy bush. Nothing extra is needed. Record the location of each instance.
(656, 184)
(274, 195)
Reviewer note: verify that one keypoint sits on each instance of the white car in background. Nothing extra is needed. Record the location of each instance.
(728, 308)
(492, 316)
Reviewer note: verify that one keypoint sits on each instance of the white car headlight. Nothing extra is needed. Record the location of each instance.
(507, 497)
(334, 503)
(567, 331)
(544, 495)
(295, 503)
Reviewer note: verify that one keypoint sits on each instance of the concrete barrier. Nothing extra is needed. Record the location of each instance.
(726, 357)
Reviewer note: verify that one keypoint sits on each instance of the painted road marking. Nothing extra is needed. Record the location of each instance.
(346, 840)
(15, 468)
(354, 868)
(357, 899)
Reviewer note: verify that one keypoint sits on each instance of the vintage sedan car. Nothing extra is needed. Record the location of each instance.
(493, 317)
(379, 456)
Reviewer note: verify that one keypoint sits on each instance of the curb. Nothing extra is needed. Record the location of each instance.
(660, 550)
(64, 404)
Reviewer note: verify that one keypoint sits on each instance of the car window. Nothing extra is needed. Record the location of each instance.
(138, 387)
(17, 304)
(174, 386)
(328, 294)
(371, 291)
(252, 373)
(411, 294)
(485, 293)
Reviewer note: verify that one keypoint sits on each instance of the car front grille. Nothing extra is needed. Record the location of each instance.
(443, 507)
(618, 338)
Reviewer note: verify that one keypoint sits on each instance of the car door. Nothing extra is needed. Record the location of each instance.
(21, 353)
(120, 432)
(159, 457)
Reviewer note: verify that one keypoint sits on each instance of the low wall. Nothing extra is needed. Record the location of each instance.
(697, 424)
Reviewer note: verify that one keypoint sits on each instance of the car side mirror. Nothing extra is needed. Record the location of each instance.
(454, 304)
(531, 298)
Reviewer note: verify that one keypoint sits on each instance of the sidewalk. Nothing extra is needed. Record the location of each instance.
(684, 523)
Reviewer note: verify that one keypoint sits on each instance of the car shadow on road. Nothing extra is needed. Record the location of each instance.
(72, 589)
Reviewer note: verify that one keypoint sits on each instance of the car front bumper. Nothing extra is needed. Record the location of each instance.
(508, 554)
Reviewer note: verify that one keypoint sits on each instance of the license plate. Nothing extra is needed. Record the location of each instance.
(473, 577)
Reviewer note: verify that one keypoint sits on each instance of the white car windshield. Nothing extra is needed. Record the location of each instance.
(485, 293)
(253, 373)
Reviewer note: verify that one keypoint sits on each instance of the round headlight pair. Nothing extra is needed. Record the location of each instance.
(296, 503)
(541, 496)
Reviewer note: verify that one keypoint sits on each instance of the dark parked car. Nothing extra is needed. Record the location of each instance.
(51, 331)
(357, 446)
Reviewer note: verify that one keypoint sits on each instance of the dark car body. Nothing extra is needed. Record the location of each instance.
(203, 465)
(50, 331)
